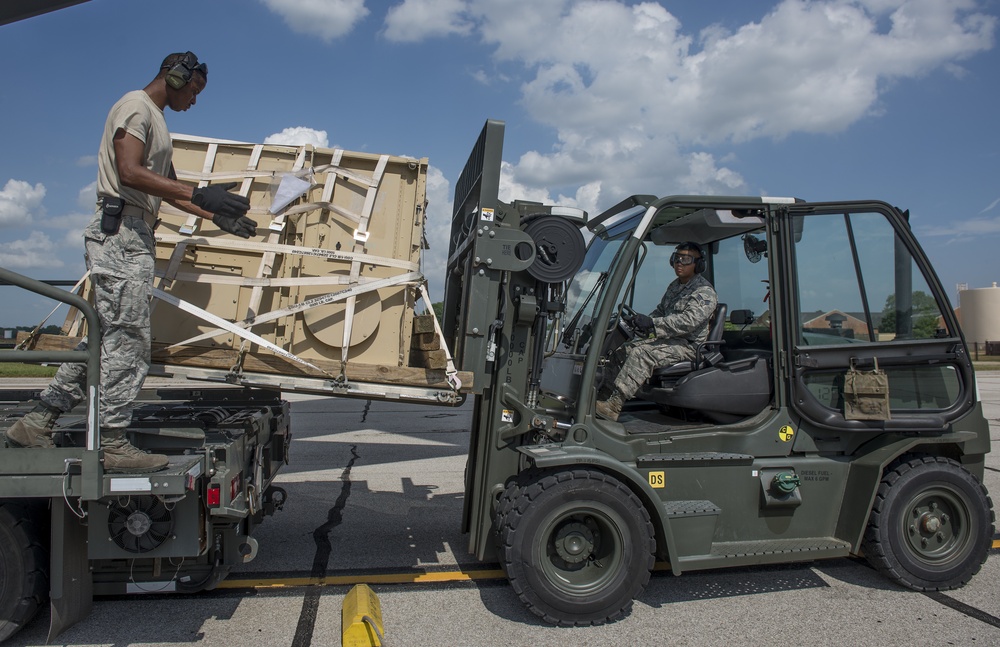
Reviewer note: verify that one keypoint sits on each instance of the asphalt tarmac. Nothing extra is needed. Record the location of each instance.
(375, 495)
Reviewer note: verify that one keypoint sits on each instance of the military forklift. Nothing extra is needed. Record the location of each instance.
(832, 412)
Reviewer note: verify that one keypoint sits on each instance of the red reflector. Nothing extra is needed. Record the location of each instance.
(214, 496)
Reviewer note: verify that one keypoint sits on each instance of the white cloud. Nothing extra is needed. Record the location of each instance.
(299, 136)
(437, 230)
(328, 19)
(86, 199)
(643, 109)
(964, 230)
(990, 206)
(415, 20)
(36, 251)
(20, 202)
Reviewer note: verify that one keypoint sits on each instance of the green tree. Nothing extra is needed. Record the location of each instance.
(924, 314)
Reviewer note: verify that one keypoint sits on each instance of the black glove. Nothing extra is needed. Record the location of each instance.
(217, 199)
(642, 323)
(239, 225)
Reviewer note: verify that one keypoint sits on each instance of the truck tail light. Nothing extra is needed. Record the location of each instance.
(213, 497)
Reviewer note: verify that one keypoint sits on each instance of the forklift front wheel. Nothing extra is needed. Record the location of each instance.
(578, 547)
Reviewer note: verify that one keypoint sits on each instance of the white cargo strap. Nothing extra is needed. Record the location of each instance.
(249, 281)
(167, 277)
(191, 224)
(329, 254)
(451, 372)
(360, 238)
(236, 330)
(266, 267)
(332, 297)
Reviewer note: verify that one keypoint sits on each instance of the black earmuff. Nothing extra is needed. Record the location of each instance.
(699, 265)
(180, 73)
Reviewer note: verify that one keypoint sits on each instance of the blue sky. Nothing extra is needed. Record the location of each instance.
(819, 99)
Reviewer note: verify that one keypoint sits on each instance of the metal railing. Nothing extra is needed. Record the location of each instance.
(91, 356)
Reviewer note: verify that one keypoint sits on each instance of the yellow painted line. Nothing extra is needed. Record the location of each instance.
(351, 580)
(435, 577)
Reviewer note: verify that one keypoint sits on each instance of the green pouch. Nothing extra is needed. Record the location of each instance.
(866, 394)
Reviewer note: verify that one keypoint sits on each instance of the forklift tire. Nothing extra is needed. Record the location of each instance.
(24, 577)
(577, 547)
(931, 526)
(504, 504)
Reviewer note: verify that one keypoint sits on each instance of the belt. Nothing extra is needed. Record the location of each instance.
(138, 212)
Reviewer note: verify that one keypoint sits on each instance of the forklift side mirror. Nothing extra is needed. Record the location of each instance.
(741, 317)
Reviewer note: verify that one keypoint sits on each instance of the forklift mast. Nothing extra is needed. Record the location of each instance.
(504, 293)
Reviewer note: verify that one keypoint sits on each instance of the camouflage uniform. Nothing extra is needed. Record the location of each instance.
(121, 270)
(681, 322)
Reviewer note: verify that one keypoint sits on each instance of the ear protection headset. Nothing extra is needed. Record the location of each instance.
(699, 263)
(179, 74)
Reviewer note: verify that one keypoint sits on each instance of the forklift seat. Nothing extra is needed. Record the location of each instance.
(718, 390)
(707, 354)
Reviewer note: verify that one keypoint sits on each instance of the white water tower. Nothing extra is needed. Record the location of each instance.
(980, 314)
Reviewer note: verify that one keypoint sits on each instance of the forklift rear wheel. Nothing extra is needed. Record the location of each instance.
(577, 546)
(24, 579)
(931, 526)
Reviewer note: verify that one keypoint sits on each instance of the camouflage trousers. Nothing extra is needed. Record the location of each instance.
(633, 363)
(121, 272)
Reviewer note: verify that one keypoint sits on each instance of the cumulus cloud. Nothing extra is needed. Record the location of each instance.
(415, 20)
(437, 229)
(20, 202)
(86, 199)
(36, 251)
(650, 106)
(327, 19)
(299, 136)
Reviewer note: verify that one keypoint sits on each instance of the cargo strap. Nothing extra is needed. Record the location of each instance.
(451, 372)
(360, 239)
(332, 297)
(329, 254)
(191, 224)
(236, 330)
(266, 267)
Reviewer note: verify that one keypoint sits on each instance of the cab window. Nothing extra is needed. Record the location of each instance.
(857, 283)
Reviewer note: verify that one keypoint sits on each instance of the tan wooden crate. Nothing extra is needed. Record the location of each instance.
(314, 264)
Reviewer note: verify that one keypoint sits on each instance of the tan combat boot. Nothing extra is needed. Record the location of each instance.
(611, 407)
(34, 430)
(123, 457)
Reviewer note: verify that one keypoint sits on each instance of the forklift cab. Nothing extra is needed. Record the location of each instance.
(812, 292)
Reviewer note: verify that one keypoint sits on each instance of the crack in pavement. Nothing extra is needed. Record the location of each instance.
(324, 548)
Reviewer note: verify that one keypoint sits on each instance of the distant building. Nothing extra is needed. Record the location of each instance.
(837, 322)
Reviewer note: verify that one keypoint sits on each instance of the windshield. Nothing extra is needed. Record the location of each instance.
(582, 297)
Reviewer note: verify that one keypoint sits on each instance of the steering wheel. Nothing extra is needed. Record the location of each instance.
(620, 330)
(625, 321)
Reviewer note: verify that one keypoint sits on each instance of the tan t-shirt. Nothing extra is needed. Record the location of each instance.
(140, 117)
